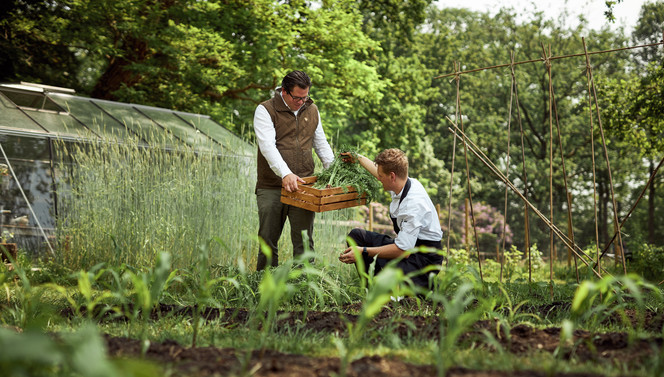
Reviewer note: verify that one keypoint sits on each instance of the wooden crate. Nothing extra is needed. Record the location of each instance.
(321, 200)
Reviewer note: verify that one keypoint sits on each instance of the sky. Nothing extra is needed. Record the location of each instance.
(626, 13)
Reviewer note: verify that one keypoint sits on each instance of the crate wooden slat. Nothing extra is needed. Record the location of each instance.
(321, 200)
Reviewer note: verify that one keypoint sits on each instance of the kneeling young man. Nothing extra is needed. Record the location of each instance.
(413, 214)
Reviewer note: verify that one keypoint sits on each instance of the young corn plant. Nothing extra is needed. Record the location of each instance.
(460, 312)
(201, 286)
(91, 298)
(389, 284)
(24, 308)
(147, 289)
(313, 286)
(595, 302)
(273, 290)
(507, 314)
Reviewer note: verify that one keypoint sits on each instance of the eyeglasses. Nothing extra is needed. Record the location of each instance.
(303, 99)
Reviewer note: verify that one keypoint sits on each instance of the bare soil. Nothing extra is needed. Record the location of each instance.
(522, 339)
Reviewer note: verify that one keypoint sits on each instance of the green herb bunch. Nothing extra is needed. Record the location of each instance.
(343, 174)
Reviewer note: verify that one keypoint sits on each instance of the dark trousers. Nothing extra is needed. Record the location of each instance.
(414, 262)
(272, 215)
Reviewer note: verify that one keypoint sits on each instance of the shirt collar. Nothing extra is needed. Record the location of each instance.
(398, 196)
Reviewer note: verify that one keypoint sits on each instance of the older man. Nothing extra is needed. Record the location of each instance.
(287, 127)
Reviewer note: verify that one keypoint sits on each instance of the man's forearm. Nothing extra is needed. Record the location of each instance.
(390, 251)
(368, 164)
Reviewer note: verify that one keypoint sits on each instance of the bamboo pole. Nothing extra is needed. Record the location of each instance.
(606, 154)
(570, 223)
(449, 208)
(523, 167)
(592, 153)
(507, 173)
(473, 149)
(466, 224)
(470, 197)
(550, 58)
(570, 232)
(547, 63)
(629, 213)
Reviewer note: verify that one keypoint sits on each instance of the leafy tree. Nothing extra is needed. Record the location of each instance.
(397, 119)
(478, 40)
(610, 4)
(649, 30)
(215, 57)
(29, 48)
(634, 110)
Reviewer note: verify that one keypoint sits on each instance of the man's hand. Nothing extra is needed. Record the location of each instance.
(348, 256)
(291, 181)
(347, 157)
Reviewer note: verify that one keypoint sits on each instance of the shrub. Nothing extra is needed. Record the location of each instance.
(648, 261)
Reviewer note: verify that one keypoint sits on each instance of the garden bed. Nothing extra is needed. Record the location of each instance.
(522, 339)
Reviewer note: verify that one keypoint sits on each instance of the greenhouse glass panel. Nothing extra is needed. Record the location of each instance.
(143, 126)
(29, 98)
(60, 124)
(30, 160)
(6, 102)
(93, 117)
(15, 119)
(181, 129)
(226, 138)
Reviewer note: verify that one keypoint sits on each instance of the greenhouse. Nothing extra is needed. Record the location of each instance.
(38, 122)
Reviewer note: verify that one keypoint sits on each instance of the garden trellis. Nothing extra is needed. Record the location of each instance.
(459, 132)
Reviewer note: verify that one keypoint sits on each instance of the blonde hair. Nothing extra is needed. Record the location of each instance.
(393, 160)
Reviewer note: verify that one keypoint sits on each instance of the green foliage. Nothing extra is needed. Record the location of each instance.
(88, 296)
(386, 286)
(596, 302)
(459, 299)
(201, 286)
(648, 262)
(648, 31)
(458, 316)
(24, 308)
(343, 174)
(373, 66)
(80, 353)
(633, 110)
(459, 256)
(147, 289)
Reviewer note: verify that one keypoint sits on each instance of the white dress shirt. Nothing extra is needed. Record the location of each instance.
(416, 216)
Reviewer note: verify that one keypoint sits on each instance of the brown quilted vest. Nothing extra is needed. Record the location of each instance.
(295, 140)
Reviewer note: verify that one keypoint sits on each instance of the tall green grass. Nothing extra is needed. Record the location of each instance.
(123, 203)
